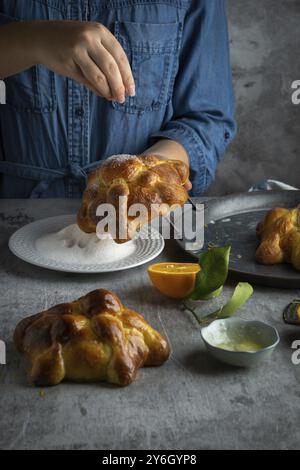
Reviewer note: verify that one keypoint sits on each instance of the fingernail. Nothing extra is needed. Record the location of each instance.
(131, 90)
(121, 99)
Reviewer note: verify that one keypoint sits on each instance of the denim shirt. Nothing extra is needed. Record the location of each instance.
(53, 130)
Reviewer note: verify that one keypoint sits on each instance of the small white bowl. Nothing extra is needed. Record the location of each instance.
(236, 331)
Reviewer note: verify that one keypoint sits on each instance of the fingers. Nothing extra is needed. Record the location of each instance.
(101, 63)
(79, 77)
(114, 70)
(93, 75)
(188, 185)
(117, 52)
(108, 66)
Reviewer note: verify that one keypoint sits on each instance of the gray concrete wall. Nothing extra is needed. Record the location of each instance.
(265, 48)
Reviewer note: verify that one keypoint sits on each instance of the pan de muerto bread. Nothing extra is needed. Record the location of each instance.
(94, 338)
(279, 233)
(146, 180)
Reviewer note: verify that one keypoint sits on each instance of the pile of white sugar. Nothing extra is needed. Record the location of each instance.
(73, 246)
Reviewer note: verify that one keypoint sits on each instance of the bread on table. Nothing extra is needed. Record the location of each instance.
(279, 233)
(94, 338)
(146, 180)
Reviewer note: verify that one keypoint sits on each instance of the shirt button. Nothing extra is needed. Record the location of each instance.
(79, 112)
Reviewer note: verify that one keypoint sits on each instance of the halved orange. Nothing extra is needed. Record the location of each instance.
(176, 280)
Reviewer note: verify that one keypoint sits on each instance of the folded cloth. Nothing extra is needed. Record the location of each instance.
(271, 185)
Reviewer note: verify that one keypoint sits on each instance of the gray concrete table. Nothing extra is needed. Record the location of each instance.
(191, 402)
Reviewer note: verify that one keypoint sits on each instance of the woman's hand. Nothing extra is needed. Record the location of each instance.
(168, 149)
(84, 51)
(87, 52)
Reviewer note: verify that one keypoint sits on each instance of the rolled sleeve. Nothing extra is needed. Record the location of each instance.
(203, 101)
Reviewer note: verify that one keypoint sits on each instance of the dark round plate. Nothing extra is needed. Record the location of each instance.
(232, 221)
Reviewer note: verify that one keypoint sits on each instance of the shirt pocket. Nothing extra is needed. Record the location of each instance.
(153, 53)
(32, 90)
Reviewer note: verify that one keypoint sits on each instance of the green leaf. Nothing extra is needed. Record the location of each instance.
(214, 294)
(241, 295)
(213, 274)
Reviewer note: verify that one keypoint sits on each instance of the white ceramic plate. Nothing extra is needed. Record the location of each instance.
(148, 245)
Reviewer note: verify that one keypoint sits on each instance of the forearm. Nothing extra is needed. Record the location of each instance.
(17, 49)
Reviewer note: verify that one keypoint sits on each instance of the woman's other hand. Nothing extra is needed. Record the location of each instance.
(167, 149)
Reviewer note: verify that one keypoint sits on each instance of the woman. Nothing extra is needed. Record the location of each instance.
(103, 77)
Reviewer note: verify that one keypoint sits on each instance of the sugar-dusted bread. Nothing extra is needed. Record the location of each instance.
(94, 338)
(146, 180)
(279, 233)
